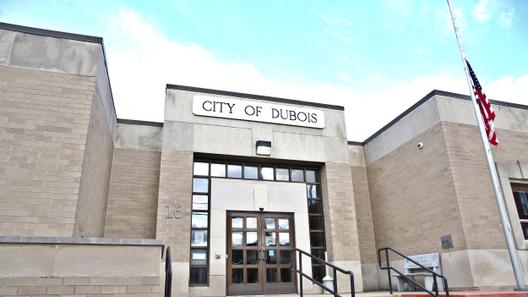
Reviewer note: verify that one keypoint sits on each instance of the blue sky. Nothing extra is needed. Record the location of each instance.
(376, 58)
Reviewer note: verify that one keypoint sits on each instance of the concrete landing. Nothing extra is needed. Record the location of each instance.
(362, 294)
(469, 294)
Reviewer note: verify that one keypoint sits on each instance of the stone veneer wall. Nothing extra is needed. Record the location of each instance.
(365, 224)
(175, 191)
(81, 286)
(413, 196)
(367, 244)
(487, 261)
(44, 120)
(340, 222)
(36, 266)
(476, 199)
(95, 174)
(133, 196)
(448, 182)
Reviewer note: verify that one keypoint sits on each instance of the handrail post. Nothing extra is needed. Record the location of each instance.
(168, 273)
(435, 285)
(352, 286)
(300, 278)
(335, 280)
(388, 270)
(446, 287)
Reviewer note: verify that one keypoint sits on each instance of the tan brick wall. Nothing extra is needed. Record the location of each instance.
(95, 174)
(78, 268)
(413, 196)
(81, 286)
(340, 213)
(365, 225)
(44, 119)
(133, 197)
(476, 198)
(175, 191)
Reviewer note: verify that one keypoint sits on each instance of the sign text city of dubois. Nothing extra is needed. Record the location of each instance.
(256, 111)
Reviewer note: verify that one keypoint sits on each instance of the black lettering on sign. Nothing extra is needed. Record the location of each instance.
(313, 118)
(249, 110)
(219, 104)
(293, 115)
(274, 113)
(283, 114)
(301, 116)
(230, 107)
(210, 104)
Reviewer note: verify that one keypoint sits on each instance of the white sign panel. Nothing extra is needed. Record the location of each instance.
(219, 107)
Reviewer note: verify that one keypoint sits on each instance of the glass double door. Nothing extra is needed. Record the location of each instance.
(259, 254)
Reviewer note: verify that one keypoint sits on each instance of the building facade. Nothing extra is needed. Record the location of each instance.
(233, 183)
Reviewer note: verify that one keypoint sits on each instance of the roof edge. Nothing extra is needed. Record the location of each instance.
(350, 142)
(429, 96)
(64, 35)
(139, 122)
(253, 96)
(50, 33)
(406, 112)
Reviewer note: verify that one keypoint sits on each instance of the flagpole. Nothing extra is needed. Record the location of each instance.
(506, 226)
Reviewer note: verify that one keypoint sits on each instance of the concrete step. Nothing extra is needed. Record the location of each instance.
(467, 294)
(362, 294)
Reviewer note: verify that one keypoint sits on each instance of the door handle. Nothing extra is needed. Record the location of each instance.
(262, 255)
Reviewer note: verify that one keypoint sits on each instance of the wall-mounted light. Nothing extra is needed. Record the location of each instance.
(263, 147)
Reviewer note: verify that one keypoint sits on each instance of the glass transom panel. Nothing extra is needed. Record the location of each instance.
(270, 223)
(251, 223)
(237, 238)
(282, 174)
(237, 222)
(284, 224)
(201, 168)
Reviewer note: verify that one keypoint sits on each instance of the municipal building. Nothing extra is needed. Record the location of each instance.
(235, 185)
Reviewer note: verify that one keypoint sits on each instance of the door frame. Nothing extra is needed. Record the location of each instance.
(262, 287)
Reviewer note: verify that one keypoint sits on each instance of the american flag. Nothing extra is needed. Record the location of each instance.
(488, 115)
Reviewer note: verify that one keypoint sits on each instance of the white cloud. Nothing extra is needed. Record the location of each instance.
(443, 21)
(345, 77)
(506, 17)
(401, 7)
(486, 10)
(481, 12)
(509, 89)
(337, 27)
(142, 61)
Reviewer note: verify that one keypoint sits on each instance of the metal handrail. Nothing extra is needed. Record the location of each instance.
(320, 284)
(168, 273)
(388, 267)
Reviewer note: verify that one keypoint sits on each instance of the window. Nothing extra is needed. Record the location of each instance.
(316, 219)
(251, 172)
(282, 174)
(200, 185)
(200, 202)
(218, 170)
(234, 171)
(201, 168)
(297, 175)
(520, 194)
(199, 266)
(204, 170)
(267, 173)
